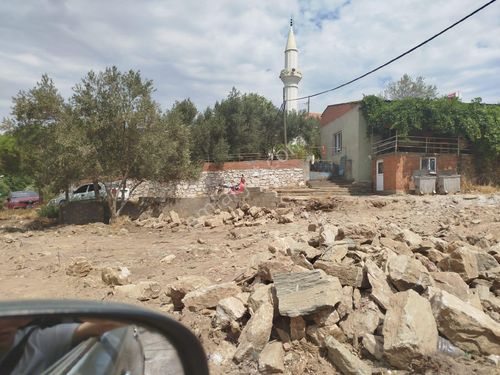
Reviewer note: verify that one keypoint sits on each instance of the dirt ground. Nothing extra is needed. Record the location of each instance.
(34, 258)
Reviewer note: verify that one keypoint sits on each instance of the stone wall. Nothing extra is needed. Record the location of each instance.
(258, 174)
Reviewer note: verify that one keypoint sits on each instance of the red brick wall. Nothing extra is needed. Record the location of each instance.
(399, 167)
(254, 164)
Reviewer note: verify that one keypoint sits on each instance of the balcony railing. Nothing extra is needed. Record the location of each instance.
(424, 145)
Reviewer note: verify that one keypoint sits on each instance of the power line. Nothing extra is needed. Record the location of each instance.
(398, 57)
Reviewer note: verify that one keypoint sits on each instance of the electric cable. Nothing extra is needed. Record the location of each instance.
(396, 58)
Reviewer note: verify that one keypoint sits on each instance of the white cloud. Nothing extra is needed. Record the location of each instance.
(202, 49)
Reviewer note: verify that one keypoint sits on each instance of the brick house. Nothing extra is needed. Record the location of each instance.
(389, 164)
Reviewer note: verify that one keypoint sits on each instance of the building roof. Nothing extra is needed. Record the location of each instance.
(334, 111)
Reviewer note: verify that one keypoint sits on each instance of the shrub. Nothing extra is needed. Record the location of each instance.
(51, 212)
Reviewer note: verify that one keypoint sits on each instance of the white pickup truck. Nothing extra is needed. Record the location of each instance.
(85, 192)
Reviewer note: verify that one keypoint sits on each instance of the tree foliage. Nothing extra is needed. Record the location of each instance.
(407, 87)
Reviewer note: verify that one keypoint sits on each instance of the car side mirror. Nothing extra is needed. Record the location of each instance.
(88, 337)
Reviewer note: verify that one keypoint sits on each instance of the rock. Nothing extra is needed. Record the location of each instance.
(344, 360)
(381, 290)
(434, 255)
(116, 276)
(335, 253)
(267, 270)
(461, 261)
(286, 219)
(303, 248)
(465, 326)
(304, 293)
(209, 296)
(143, 291)
(431, 267)
(345, 306)
(318, 335)
(327, 234)
(174, 217)
(374, 345)
(347, 275)
(255, 212)
(80, 267)
(312, 227)
(452, 283)
(408, 273)
(213, 222)
(301, 260)
(229, 309)
(410, 238)
(400, 248)
(485, 261)
(297, 328)
(409, 331)
(183, 286)
(361, 321)
(256, 334)
(262, 294)
(326, 317)
(278, 246)
(167, 259)
(271, 359)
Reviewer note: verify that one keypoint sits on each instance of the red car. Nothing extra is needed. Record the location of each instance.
(22, 199)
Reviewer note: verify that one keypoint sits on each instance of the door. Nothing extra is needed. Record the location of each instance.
(380, 175)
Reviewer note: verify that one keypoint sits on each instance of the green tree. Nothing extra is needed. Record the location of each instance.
(38, 116)
(407, 87)
(125, 133)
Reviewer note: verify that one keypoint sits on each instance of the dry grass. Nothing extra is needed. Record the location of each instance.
(468, 186)
(18, 214)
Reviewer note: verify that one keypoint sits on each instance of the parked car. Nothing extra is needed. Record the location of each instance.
(84, 192)
(22, 199)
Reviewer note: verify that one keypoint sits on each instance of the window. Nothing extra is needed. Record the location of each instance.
(429, 164)
(81, 189)
(337, 143)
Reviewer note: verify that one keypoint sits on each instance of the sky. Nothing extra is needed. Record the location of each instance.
(201, 49)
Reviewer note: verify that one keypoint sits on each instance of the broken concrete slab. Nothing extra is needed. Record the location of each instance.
(409, 330)
(408, 273)
(271, 360)
(209, 296)
(381, 290)
(344, 360)
(304, 293)
(347, 275)
(465, 326)
(255, 335)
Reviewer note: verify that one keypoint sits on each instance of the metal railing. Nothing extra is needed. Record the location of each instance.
(425, 145)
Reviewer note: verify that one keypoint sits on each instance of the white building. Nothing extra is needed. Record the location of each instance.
(291, 75)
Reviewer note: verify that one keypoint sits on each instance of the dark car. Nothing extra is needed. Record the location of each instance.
(22, 199)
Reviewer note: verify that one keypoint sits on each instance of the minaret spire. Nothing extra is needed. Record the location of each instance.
(291, 74)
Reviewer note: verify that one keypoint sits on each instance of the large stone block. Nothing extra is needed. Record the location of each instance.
(209, 297)
(381, 290)
(347, 274)
(465, 326)
(344, 360)
(304, 293)
(462, 261)
(410, 330)
(408, 273)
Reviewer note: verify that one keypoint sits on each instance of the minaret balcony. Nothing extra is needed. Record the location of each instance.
(291, 73)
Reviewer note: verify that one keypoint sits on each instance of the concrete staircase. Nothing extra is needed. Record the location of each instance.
(324, 189)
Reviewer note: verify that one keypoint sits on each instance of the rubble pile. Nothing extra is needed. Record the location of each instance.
(368, 299)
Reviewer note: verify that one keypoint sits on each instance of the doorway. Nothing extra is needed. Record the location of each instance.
(380, 175)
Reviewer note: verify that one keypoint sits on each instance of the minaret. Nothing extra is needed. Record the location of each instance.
(291, 75)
